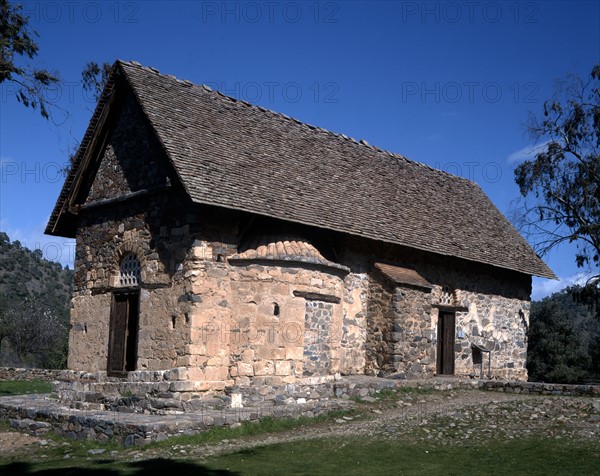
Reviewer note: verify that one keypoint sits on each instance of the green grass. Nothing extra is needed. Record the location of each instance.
(421, 391)
(22, 387)
(252, 428)
(348, 456)
(372, 457)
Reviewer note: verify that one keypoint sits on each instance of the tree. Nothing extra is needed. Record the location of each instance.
(16, 41)
(561, 339)
(561, 185)
(34, 332)
(6, 321)
(94, 77)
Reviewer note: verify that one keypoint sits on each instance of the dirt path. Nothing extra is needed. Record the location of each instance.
(14, 442)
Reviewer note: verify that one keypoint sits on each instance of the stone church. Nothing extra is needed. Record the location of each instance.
(224, 244)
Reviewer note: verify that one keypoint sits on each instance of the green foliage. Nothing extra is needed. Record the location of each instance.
(563, 337)
(16, 43)
(94, 77)
(562, 183)
(23, 387)
(34, 307)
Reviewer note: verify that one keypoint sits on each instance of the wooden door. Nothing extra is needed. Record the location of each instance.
(446, 340)
(122, 344)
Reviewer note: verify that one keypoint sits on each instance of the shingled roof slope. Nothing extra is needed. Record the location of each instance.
(232, 154)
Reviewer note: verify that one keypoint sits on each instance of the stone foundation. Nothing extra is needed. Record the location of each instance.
(166, 392)
(132, 422)
(38, 415)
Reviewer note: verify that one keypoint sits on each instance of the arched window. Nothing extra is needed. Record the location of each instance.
(447, 296)
(130, 272)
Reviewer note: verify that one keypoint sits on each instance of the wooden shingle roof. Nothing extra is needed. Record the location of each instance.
(401, 275)
(229, 153)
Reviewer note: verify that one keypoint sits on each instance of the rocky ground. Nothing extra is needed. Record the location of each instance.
(446, 418)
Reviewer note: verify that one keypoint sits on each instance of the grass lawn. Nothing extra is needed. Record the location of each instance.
(337, 456)
(384, 457)
(21, 387)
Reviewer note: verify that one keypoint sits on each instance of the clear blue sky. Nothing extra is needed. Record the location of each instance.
(450, 84)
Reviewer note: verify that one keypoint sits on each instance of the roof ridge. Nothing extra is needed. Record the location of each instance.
(360, 142)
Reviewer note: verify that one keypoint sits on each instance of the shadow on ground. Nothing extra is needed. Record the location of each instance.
(150, 467)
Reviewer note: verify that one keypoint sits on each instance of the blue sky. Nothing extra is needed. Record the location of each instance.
(450, 84)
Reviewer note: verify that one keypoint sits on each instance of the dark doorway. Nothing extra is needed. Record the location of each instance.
(445, 347)
(122, 344)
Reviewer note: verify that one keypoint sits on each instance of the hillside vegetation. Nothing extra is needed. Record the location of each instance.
(34, 307)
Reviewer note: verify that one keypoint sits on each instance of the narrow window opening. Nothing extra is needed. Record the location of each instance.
(275, 309)
(173, 322)
(129, 271)
(447, 296)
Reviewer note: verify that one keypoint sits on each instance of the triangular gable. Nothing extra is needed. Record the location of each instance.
(105, 166)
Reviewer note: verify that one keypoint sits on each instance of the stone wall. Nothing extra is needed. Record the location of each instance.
(499, 324)
(318, 319)
(203, 315)
(491, 305)
(381, 325)
(354, 327)
(414, 343)
(249, 320)
(12, 373)
(538, 388)
(39, 416)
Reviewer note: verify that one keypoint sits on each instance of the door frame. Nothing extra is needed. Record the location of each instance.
(126, 358)
(446, 341)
